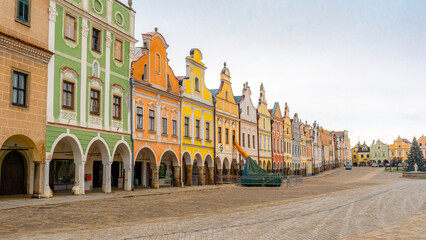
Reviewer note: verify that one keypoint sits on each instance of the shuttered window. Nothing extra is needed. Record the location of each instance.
(23, 10)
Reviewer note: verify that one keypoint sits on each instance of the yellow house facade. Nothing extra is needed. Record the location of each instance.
(288, 139)
(361, 154)
(264, 122)
(303, 149)
(197, 124)
(227, 125)
(399, 150)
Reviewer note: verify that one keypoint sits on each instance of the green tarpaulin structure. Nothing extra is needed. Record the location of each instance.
(254, 175)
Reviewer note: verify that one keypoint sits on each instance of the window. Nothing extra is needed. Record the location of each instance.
(116, 104)
(118, 50)
(186, 126)
(207, 131)
(70, 27)
(151, 120)
(227, 136)
(95, 71)
(197, 129)
(243, 139)
(139, 117)
(197, 84)
(96, 40)
(94, 101)
(219, 134)
(164, 126)
(362, 155)
(399, 153)
(19, 89)
(254, 145)
(420, 144)
(174, 127)
(226, 95)
(145, 72)
(248, 111)
(393, 154)
(263, 123)
(368, 155)
(157, 63)
(23, 10)
(68, 95)
(233, 136)
(248, 140)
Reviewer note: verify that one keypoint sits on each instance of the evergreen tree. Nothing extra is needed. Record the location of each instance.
(415, 156)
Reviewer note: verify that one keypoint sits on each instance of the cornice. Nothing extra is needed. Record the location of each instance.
(17, 45)
(148, 87)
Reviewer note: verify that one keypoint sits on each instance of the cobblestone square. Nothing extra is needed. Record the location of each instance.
(365, 203)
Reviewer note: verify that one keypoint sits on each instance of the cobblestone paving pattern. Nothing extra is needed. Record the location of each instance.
(359, 212)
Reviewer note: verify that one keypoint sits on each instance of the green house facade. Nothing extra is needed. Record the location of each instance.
(88, 138)
(379, 152)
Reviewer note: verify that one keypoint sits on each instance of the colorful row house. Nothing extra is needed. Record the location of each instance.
(264, 125)
(399, 150)
(157, 115)
(227, 126)
(198, 124)
(277, 137)
(248, 124)
(24, 58)
(88, 134)
(288, 140)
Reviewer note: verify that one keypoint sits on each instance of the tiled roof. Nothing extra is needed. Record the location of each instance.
(238, 98)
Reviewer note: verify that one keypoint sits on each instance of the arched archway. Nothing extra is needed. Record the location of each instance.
(264, 166)
(121, 167)
(269, 166)
(145, 165)
(218, 165)
(197, 170)
(208, 170)
(226, 166)
(66, 169)
(169, 171)
(97, 164)
(20, 163)
(187, 168)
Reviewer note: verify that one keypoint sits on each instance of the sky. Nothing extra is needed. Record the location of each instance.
(350, 65)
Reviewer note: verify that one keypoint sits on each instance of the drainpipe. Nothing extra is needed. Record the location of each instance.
(131, 128)
(258, 137)
(214, 135)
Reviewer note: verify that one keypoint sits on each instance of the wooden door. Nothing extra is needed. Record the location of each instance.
(13, 174)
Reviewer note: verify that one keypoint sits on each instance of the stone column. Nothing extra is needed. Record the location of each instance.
(220, 177)
(200, 175)
(47, 192)
(188, 175)
(106, 176)
(127, 178)
(211, 175)
(176, 176)
(38, 180)
(155, 183)
(78, 188)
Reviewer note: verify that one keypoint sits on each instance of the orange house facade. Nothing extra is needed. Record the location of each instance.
(156, 108)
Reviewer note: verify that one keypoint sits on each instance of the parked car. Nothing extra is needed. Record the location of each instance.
(387, 165)
(374, 165)
(348, 167)
(380, 164)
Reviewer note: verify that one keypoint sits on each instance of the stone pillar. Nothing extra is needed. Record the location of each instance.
(78, 188)
(176, 176)
(144, 172)
(38, 180)
(220, 177)
(188, 175)
(211, 175)
(200, 175)
(127, 178)
(106, 176)
(155, 183)
(47, 192)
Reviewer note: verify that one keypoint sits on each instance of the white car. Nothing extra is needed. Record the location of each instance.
(374, 165)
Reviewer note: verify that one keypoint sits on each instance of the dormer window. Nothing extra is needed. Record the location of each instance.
(197, 84)
(157, 63)
(226, 95)
(145, 73)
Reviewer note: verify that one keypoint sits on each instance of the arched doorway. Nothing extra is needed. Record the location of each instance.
(196, 166)
(97, 165)
(208, 170)
(13, 170)
(186, 166)
(145, 160)
(169, 171)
